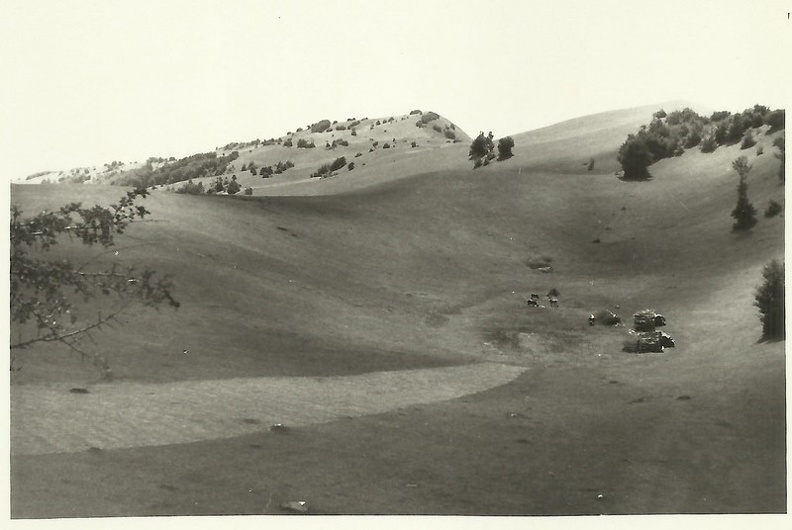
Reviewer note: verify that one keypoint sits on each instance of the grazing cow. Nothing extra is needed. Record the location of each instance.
(592, 319)
(553, 302)
(532, 303)
(534, 296)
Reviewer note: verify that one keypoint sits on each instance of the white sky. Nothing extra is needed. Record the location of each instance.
(88, 82)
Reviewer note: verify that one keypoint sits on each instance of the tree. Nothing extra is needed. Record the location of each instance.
(505, 147)
(43, 290)
(780, 142)
(635, 158)
(480, 148)
(744, 213)
(770, 301)
(233, 187)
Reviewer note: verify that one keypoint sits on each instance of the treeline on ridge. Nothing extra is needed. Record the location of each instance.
(671, 134)
(191, 167)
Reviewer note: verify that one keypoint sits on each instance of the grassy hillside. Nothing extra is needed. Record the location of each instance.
(419, 261)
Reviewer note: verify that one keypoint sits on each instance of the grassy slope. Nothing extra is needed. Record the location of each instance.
(336, 284)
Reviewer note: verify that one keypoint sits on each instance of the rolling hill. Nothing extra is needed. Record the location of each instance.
(416, 261)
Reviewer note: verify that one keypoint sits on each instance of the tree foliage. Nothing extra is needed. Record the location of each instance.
(780, 142)
(505, 148)
(481, 147)
(744, 213)
(770, 301)
(43, 291)
(635, 158)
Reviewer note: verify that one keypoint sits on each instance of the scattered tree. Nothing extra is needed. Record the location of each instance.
(635, 158)
(480, 148)
(505, 148)
(744, 213)
(770, 301)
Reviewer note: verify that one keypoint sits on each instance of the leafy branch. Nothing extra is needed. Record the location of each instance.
(43, 291)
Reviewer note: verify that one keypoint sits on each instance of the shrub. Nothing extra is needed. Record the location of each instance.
(358, 155)
(414, 144)
(321, 126)
(412, 112)
(437, 128)
(302, 143)
(386, 145)
(354, 132)
(773, 209)
(338, 163)
(505, 148)
(759, 151)
(288, 143)
(769, 299)
(590, 164)
(351, 166)
(708, 144)
(191, 189)
(692, 140)
(775, 120)
(451, 135)
(248, 191)
(340, 128)
(748, 140)
(429, 116)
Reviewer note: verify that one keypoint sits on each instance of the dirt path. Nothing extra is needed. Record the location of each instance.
(51, 419)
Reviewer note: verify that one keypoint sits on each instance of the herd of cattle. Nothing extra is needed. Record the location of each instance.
(644, 337)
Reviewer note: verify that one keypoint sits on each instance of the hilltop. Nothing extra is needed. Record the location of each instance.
(412, 263)
(362, 141)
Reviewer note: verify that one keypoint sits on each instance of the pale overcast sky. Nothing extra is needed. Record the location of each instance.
(88, 82)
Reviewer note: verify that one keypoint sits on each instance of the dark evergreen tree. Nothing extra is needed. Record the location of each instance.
(770, 301)
(505, 148)
(635, 158)
(744, 213)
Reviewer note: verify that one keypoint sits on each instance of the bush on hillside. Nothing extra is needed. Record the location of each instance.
(351, 166)
(748, 140)
(505, 148)
(304, 144)
(437, 128)
(288, 143)
(708, 144)
(776, 120)
(321, 126)
(248, 191)
(429, 116)
(416, 111)
(191, 188)
(773, 209)
(769, 299)
(451, 135)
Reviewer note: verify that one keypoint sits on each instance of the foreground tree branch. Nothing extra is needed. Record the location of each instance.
(44, 292)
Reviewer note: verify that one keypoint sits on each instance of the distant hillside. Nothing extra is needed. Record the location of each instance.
(361, 141)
